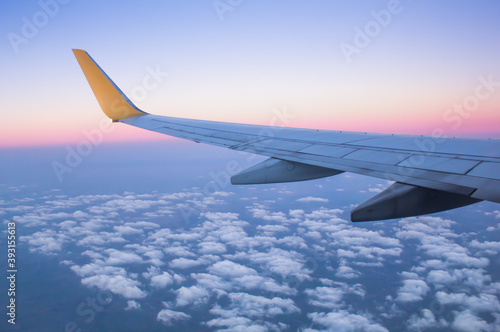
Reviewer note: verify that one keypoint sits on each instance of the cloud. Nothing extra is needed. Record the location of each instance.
(325, 297)
(129, 204)
(67, 224)
(127, 230)
(436, 241)
(211, 248)
(346, 272)
(222, 193)
(412, 290)
(343, 321)
(133, 305)
(440, 277)
(285, 263)
(310, 199)
(425, 321)
(237, 324)
(117, 257)
(193, 295)
(475, 278)
(220, 216)
(180, 251)
(116, 284)
(296, 213)
(488, 247)
(229, 269)
(250, 282)
(162, 280)
(482, 303)
(253, 306)
(209, 281)
(261, 213)
(46, 242)
(170, 317)
(100, 239)
(183, 263)
(466, 321)
(184, 237)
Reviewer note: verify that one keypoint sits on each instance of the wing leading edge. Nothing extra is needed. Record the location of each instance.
(430, 174)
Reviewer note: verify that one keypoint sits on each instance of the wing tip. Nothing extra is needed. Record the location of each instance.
(114, 103)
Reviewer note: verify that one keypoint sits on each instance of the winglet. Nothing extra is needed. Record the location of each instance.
(112, 100)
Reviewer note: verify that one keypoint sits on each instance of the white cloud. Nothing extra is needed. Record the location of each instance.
(211, 248)
(296, 213)
(482, 303)
(412, 290)
(229, 269)
(162, 280)
(170, 317)
(252, 306)
(440, 277)
(346, 272)
(133, 305)
(466, 321)
(67, 224)
(142, 224)
(239, 324)
(266, 284)
(45, 242)
(193, 295)
(425, 321)
(180, 251)
(117, 284)
(310, 199)
(117, 257)
(488, 247)
(343, 321)
(271, 228)
(127, 230)
(286, 263)
(222, 193)
(212, 282)
(220, 216)
(183, 263)
(325, 297)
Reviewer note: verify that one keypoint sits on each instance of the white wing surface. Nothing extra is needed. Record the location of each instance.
(431, 174)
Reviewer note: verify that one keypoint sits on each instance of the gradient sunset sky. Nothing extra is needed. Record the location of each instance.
(240, 62)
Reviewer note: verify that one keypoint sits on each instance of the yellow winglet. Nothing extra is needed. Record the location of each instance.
(112, 100)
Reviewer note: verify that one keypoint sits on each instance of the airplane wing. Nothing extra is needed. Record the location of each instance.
(431, 174)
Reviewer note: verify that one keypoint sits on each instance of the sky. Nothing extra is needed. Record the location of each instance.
(145, 232)
(378, 66)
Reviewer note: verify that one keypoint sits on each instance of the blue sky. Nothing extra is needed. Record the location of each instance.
(262, 55)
